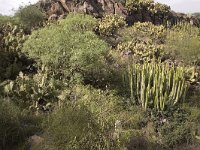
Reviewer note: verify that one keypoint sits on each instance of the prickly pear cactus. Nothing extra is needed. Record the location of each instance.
(144, 41)
(11, 39)
(110, 24)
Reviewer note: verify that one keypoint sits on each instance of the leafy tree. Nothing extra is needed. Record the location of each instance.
(30, 16)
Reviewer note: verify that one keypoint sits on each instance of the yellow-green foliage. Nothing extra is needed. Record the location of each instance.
(141, 51)
(143, 40)
(160, 9)
(142, 5)
(145, 31)
(110, 24)
(183, 42)
(136, 5)
(78, 22)
(68, 47)
(84, 120)
(157, 85)
(105, 105)
(8, 19)
(73, 127)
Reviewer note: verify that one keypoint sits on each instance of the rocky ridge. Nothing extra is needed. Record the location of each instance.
(57, 9)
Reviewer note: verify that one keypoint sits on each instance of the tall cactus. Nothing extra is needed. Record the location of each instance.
(156, 85)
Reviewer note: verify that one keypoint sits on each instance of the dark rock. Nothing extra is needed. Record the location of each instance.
(98, 8)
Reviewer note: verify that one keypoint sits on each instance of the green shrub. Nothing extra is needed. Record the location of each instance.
(176, 130)
(74, 127)
(16, 125)
(10, 132)
(69, 47)
(8, 19)
(104, 104)
(183, 43)
(30, 16)
(174, 134)
(107, 109)
(79, 22)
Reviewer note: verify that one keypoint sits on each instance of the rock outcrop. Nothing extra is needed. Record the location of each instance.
(56, 9)
(93, 7)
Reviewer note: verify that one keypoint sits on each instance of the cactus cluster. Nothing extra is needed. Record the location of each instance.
(135, 5)
(160, 9)
(31, 89)
(110, 24)
(12, 38)
(156, 85)
(141, 51)
(146, 31)
(143, 40)
(154, 8)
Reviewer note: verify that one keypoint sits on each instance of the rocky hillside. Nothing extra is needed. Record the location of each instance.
(133, 11)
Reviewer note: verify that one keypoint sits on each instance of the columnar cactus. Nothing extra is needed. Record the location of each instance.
(156, 85)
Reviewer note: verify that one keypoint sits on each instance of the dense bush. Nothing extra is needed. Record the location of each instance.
(90, 97)
(16, 126)
(176, 129)
(99, 102)
(74, 127)
(79, 22)
(30, 16)
(183, 43)
(11, 132)
(8, 19)
(69, 47)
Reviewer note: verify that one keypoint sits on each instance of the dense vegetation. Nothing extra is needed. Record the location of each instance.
(87, 83)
